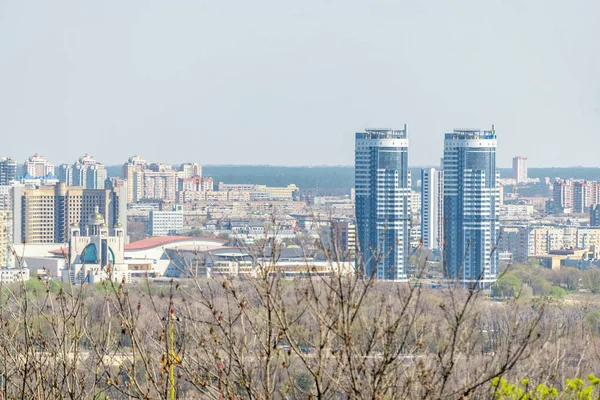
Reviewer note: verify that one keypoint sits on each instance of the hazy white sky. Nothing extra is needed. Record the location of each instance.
(288, 83)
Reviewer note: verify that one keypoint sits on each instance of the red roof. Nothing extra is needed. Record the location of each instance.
(59, 252)
(164, 240)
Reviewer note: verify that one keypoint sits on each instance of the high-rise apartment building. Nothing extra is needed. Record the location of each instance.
(160, 185)
(95, 177)
(519, 169)
(6, 198)
(133, 174)
(190, 170)
(471, 201)
(88, 173)
(196, 184)
(382, 192)
(582, 196)
(43, 215)
(339, 239)
(8, 171)
(160, 167)
(36, 166)
(595, 215)
(5, 236)
(432, 208)
(65, 174)
(562, 196)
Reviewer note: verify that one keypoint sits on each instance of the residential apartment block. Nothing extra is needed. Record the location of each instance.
(132, 173)
(471, 201)
(37, 166)
(339, 239)
(432, 208)
(8, 171)
(383, 194)
(519, 169)
(86, 172)
(5, 237)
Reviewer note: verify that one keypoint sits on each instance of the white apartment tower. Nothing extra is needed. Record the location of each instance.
(519, 168)
(133, 174)
(89, 173)
(37, 167)
(432, 208)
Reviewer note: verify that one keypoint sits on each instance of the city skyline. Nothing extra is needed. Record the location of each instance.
(171, 82)
(57, 164)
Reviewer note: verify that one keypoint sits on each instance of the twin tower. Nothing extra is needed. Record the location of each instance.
(466, 210)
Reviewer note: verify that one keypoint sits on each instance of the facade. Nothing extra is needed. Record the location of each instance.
(133, 174)
(65, 174)
(43, 215)
(595, 215)
(515, 211)
(382, 192)
(513, 240)
(415, 204)
(95, 177)
(5, 237)
(6, 198)
(36, 166)
(95, 255)
(89, 173)
(582, 197)
(562, 196)
(190, 170)
(12, 275)
(547, 240)
(163, 223)
(471, 201)
(263, 192)
(196, 184)
(432, 208)
(86, 172)
(519, 169)
(339, 238)
(160, 185)
(8, 171)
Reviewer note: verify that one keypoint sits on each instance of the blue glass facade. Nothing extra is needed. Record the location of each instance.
(471, 201)
(382, 190)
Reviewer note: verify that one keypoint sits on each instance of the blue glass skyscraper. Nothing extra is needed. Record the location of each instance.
(471, 201)
(382, 190)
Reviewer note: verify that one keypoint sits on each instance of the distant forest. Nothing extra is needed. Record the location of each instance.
(341, 177)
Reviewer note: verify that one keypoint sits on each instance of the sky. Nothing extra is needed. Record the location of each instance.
(288, 83)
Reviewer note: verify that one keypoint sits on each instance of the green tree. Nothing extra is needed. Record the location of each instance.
(592, 320)
(591, 280)
(558, 292)
(507, 286)
(566, 277)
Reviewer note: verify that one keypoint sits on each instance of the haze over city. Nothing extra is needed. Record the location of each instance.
(282, 84)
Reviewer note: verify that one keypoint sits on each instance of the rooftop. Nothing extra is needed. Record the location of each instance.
(471, 134)
(382, 133)
(166, 240)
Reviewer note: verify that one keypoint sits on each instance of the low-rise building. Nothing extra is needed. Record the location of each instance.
(12, 275)
(163, 223)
